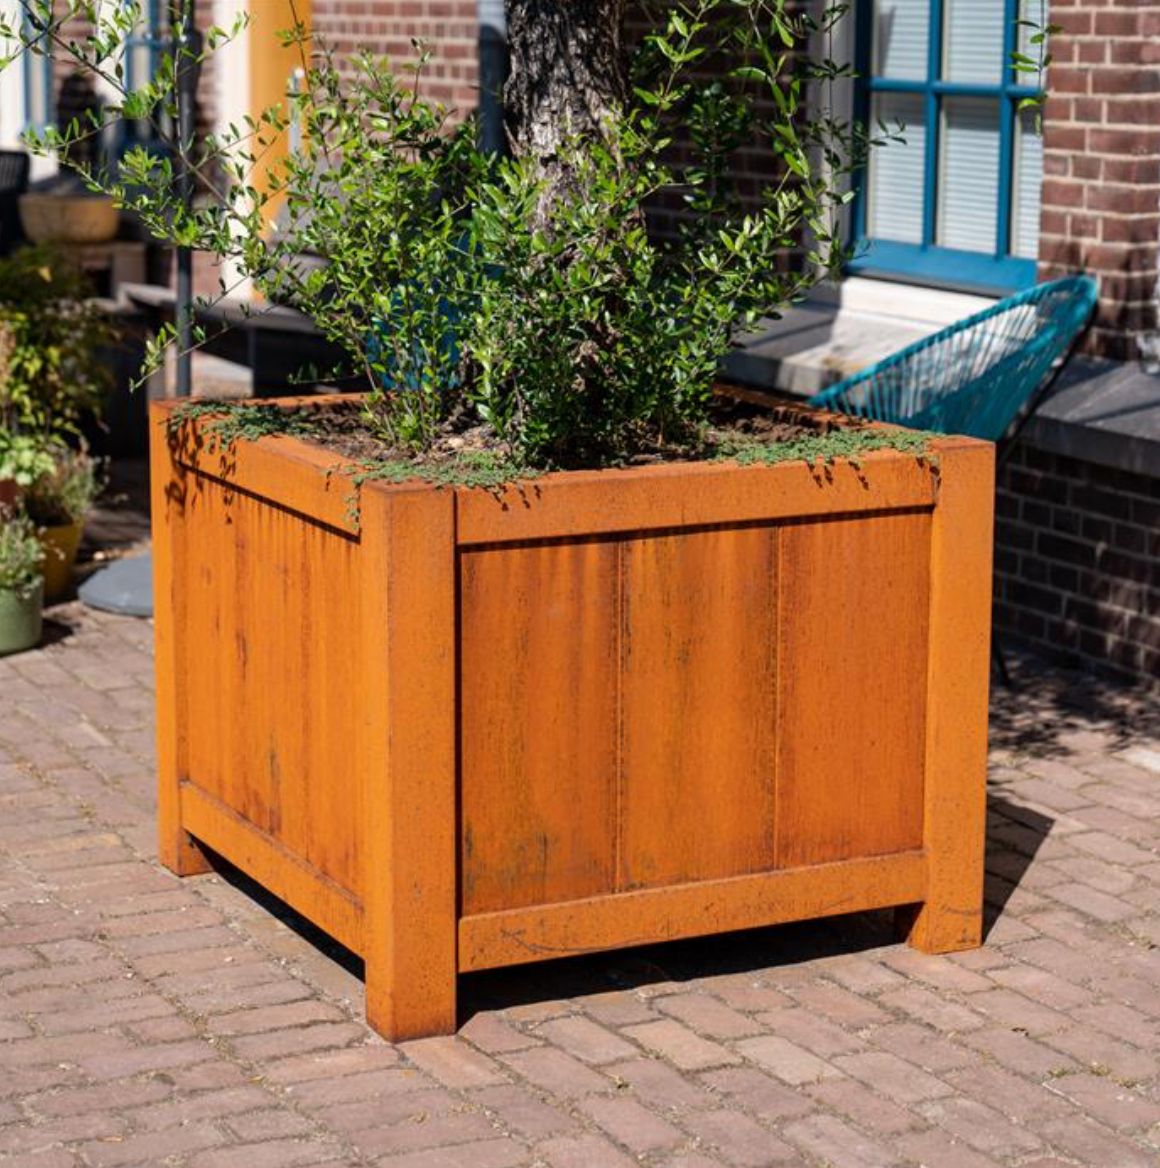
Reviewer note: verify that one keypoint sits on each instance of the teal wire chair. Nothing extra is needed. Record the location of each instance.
(978, 375)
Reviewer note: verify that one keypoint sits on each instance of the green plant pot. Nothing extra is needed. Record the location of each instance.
(60, 556)
(20, 618)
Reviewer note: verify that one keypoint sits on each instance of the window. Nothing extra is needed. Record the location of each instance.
(958, 203)
(39, 106)
(142, 53)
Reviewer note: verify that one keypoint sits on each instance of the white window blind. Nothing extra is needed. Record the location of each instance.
(895, 183)
(1027, 179)
(969, 174)
(973, 41)
(901, 30)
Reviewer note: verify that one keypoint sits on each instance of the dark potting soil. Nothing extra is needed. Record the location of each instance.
(737, 418)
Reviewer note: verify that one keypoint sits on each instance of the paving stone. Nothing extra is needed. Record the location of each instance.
(899, 1081)
(556, 1072)
(737, 1138)
(788, 1062)
(498, 1153)
(681, 1046)
(758, 1092)
(524, 1112)
(452, 1062)
(984, 1128)
(838, 1144)
(630, 1124)
(708, 1015)
(586, 1151)
(1108, 1101)
(586, 1040)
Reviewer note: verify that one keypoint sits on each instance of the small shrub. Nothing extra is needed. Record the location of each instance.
(20, 553)
(64, 495)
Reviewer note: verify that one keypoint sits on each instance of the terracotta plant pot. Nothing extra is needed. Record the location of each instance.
(49, 218)
(60, 556)
(9, 493)
(20, 618)
(598, 709)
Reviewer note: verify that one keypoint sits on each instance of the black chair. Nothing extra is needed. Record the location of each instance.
(14, 169)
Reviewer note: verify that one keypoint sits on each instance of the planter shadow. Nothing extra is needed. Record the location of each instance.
(1014, 836)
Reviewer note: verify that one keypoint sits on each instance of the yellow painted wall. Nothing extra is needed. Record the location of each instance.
(271, 66)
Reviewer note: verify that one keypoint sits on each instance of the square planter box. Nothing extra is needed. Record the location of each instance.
(601, 709)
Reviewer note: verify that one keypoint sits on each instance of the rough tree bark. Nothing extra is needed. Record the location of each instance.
(567, 75)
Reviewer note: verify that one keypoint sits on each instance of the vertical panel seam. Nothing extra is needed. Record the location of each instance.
(779, 654)
(620, 616)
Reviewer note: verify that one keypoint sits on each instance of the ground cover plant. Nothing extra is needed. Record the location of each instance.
(517, 309)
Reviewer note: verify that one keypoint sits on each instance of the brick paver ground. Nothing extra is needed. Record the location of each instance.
(146, 1020)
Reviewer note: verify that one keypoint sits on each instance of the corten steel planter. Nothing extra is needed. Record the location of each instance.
(605, 709)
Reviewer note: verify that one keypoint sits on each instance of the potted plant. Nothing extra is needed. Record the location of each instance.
(51, 334)
(537, 649)
(21, 584)
(57, 503)
(23, 459)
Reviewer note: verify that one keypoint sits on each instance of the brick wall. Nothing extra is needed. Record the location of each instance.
(1101, 189)
(1077, 563)
(387, 27)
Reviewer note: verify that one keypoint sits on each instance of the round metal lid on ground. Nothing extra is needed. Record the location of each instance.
(124, 587)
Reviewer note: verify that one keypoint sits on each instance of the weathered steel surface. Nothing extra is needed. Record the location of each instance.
(600, 710)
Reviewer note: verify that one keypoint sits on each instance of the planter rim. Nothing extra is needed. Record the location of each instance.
(330, 462)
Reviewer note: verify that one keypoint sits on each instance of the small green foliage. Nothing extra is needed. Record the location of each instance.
(485, 469)
(231, 421)
(458, 284)
(1038, 60)
(848, 444)
(24, 457)
(65, 494)
(21, 554)
(50, 330)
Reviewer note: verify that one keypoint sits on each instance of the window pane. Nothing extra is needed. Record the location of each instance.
(895, 185)
(1027, 180)
(969, 174)
(973, 41)
(900, 39)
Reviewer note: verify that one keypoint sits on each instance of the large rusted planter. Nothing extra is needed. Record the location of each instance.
(608, 708)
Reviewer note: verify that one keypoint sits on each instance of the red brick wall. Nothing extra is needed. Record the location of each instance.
(1101, 183)
(387, 27)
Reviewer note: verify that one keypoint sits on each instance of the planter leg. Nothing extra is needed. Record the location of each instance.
(955, 805)
(180, 852)
(176, 848)
(931, 929)
(409, 891)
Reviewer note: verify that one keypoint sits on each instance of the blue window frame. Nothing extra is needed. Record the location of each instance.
(958, 204)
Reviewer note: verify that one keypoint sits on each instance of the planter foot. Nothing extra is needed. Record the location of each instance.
(930, 928)
(183, 855)
(400, 1016)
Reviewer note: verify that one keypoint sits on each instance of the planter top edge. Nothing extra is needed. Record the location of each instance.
(574, 503)
(330, 462)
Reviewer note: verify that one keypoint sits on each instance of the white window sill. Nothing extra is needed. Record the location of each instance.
(843, 328)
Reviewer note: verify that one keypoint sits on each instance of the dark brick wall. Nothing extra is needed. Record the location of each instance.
(1077, 563)
(1101, 166)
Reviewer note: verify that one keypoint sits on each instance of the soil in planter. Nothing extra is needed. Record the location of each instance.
(745, 426)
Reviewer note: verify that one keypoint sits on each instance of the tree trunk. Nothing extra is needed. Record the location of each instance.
(567, 76)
